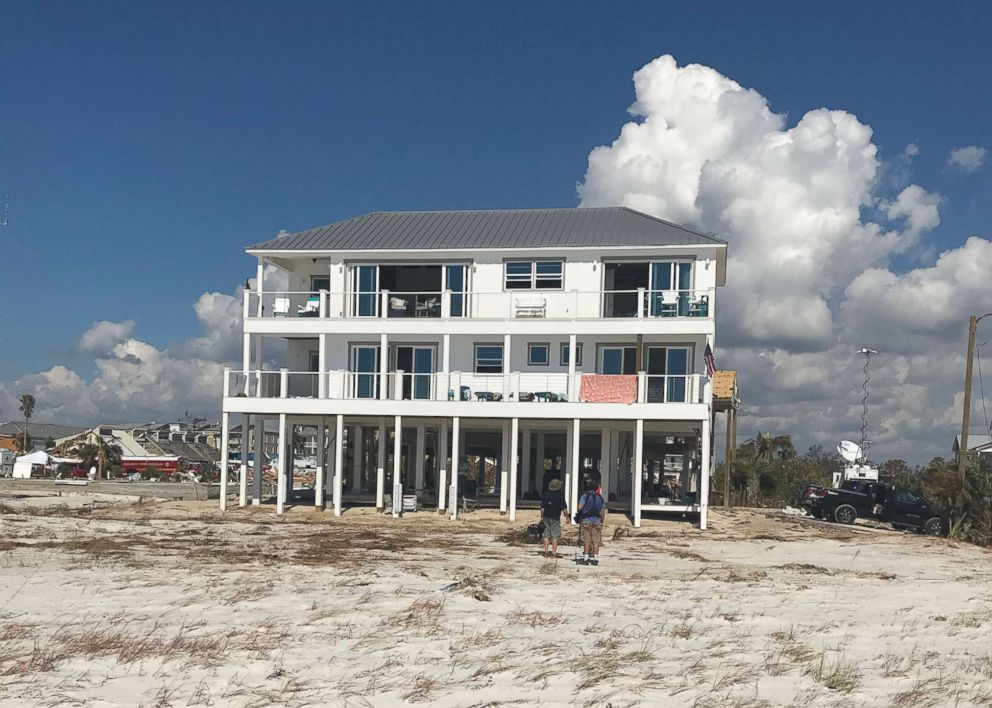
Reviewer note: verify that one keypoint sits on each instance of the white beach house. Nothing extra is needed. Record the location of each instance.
(458, 355)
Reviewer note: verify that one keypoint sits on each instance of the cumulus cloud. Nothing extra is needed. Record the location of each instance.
(136, 381)
(814, 219)
(969, 159)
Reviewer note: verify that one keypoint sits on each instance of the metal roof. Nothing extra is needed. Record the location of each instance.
(497, 229)
(39, 431)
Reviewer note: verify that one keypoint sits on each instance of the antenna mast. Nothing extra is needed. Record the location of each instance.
(865, 442)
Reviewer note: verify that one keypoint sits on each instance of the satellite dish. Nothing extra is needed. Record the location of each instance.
(850, 451)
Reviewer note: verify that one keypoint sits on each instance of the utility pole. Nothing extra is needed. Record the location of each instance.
(966, 415)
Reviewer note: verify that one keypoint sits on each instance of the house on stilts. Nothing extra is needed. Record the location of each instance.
(457, 355)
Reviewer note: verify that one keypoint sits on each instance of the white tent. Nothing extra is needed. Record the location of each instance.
(25, 463)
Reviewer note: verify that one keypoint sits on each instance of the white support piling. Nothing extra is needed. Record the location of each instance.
(525, 473)
(338, 461)
(225, 421)
(418, 460)
(455, 453)
(243, 469)
(504, 467)
(575, 464)
(380, 467)
(637, 472)
(320, 478)
(397, 455)
(283, 459)
(514, 450)
(704, 473)
(442, 461)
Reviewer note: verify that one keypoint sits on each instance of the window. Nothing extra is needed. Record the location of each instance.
(319, 282)
(538, 354)
(489, 358)
(533, 275)
(565, 357)
(905, 496)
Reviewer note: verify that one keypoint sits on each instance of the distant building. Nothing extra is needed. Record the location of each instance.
(39, 434)
(977, 442)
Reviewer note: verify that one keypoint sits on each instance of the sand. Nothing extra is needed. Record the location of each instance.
(171, 604)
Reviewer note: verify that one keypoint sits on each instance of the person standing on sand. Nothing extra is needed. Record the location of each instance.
(591, 514)
(552, 506)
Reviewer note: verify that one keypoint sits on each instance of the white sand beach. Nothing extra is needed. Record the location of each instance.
(169, 604)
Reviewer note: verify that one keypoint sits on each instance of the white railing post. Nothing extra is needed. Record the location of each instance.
(283, 383)
(398, 385)
(456, 384)
(445, 304)
(640, 302)
(227, 382)
(574, 386)
(642, 387)
(575, 304)
(322, 307)
(515, 393)
(384, 304)
(244, 304)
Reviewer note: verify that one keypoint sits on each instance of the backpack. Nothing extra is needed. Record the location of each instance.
(594, 505)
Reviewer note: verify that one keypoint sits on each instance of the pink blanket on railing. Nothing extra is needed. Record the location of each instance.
(608, 388)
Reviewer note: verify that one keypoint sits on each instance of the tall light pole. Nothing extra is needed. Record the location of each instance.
(966, 416)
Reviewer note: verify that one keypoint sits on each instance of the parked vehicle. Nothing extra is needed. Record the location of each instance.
(866, 499)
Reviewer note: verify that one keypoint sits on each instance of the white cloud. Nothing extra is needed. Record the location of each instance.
(136, 381)
(969, 159)
(809, 277)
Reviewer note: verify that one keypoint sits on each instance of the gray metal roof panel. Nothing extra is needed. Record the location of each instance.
(496, 229)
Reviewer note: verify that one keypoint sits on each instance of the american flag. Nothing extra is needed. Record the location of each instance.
(710, 363)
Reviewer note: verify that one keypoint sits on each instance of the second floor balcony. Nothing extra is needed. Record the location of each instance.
(462, 387)
(506, 305)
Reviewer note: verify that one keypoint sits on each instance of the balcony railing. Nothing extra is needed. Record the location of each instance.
(454, 387)
(513, 304)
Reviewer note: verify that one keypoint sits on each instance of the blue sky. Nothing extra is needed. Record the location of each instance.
(143, 146)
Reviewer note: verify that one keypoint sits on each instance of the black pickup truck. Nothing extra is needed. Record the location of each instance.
(901, 507)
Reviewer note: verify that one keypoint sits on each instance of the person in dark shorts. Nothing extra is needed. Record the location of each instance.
(553, 505)
(590, 515)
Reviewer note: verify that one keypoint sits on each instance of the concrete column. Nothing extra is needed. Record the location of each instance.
(504, 466)
(539, 458)
(256, 491)
(358, 447)
(224, 434)
(637, 472)
(605, 460)
(243, 476)
(322, 368)
(246, 363)
(525, 482)
(514, 450)
(380, 467)
(456, 438)
(383, 366)
(280, 487)
(442, 463)
(704, 473)
(507, 368)
(575, 463)
(566, 468)
(259, 280)
(338, 462)
(573, 392)
(418, 460)
(320, 485)
(397, 456)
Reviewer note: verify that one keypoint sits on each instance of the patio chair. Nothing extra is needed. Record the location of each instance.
(700, 307)
(397, 305)
(311, 308)
(428, 307)
(280, 307)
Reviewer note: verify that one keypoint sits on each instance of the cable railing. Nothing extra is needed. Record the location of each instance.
(457, 386)
(511, 304)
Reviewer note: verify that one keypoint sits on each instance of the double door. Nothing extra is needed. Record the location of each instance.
(417, 362)
(668, 374)
(366, 299)
(671, 286)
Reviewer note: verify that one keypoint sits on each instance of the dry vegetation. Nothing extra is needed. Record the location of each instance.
(170, 605)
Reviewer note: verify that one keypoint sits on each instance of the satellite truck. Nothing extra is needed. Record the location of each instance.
(855, 464)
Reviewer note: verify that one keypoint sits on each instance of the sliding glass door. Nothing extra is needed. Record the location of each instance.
(455, 280)
(671, 283)
(365, 285)
(365, 371)
(667, 370)
(417, 363)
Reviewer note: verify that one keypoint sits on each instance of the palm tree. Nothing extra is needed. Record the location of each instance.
(756, 457)
(100, 454)
(27, 408)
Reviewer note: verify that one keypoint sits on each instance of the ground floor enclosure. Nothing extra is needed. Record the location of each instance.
(399, 464)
